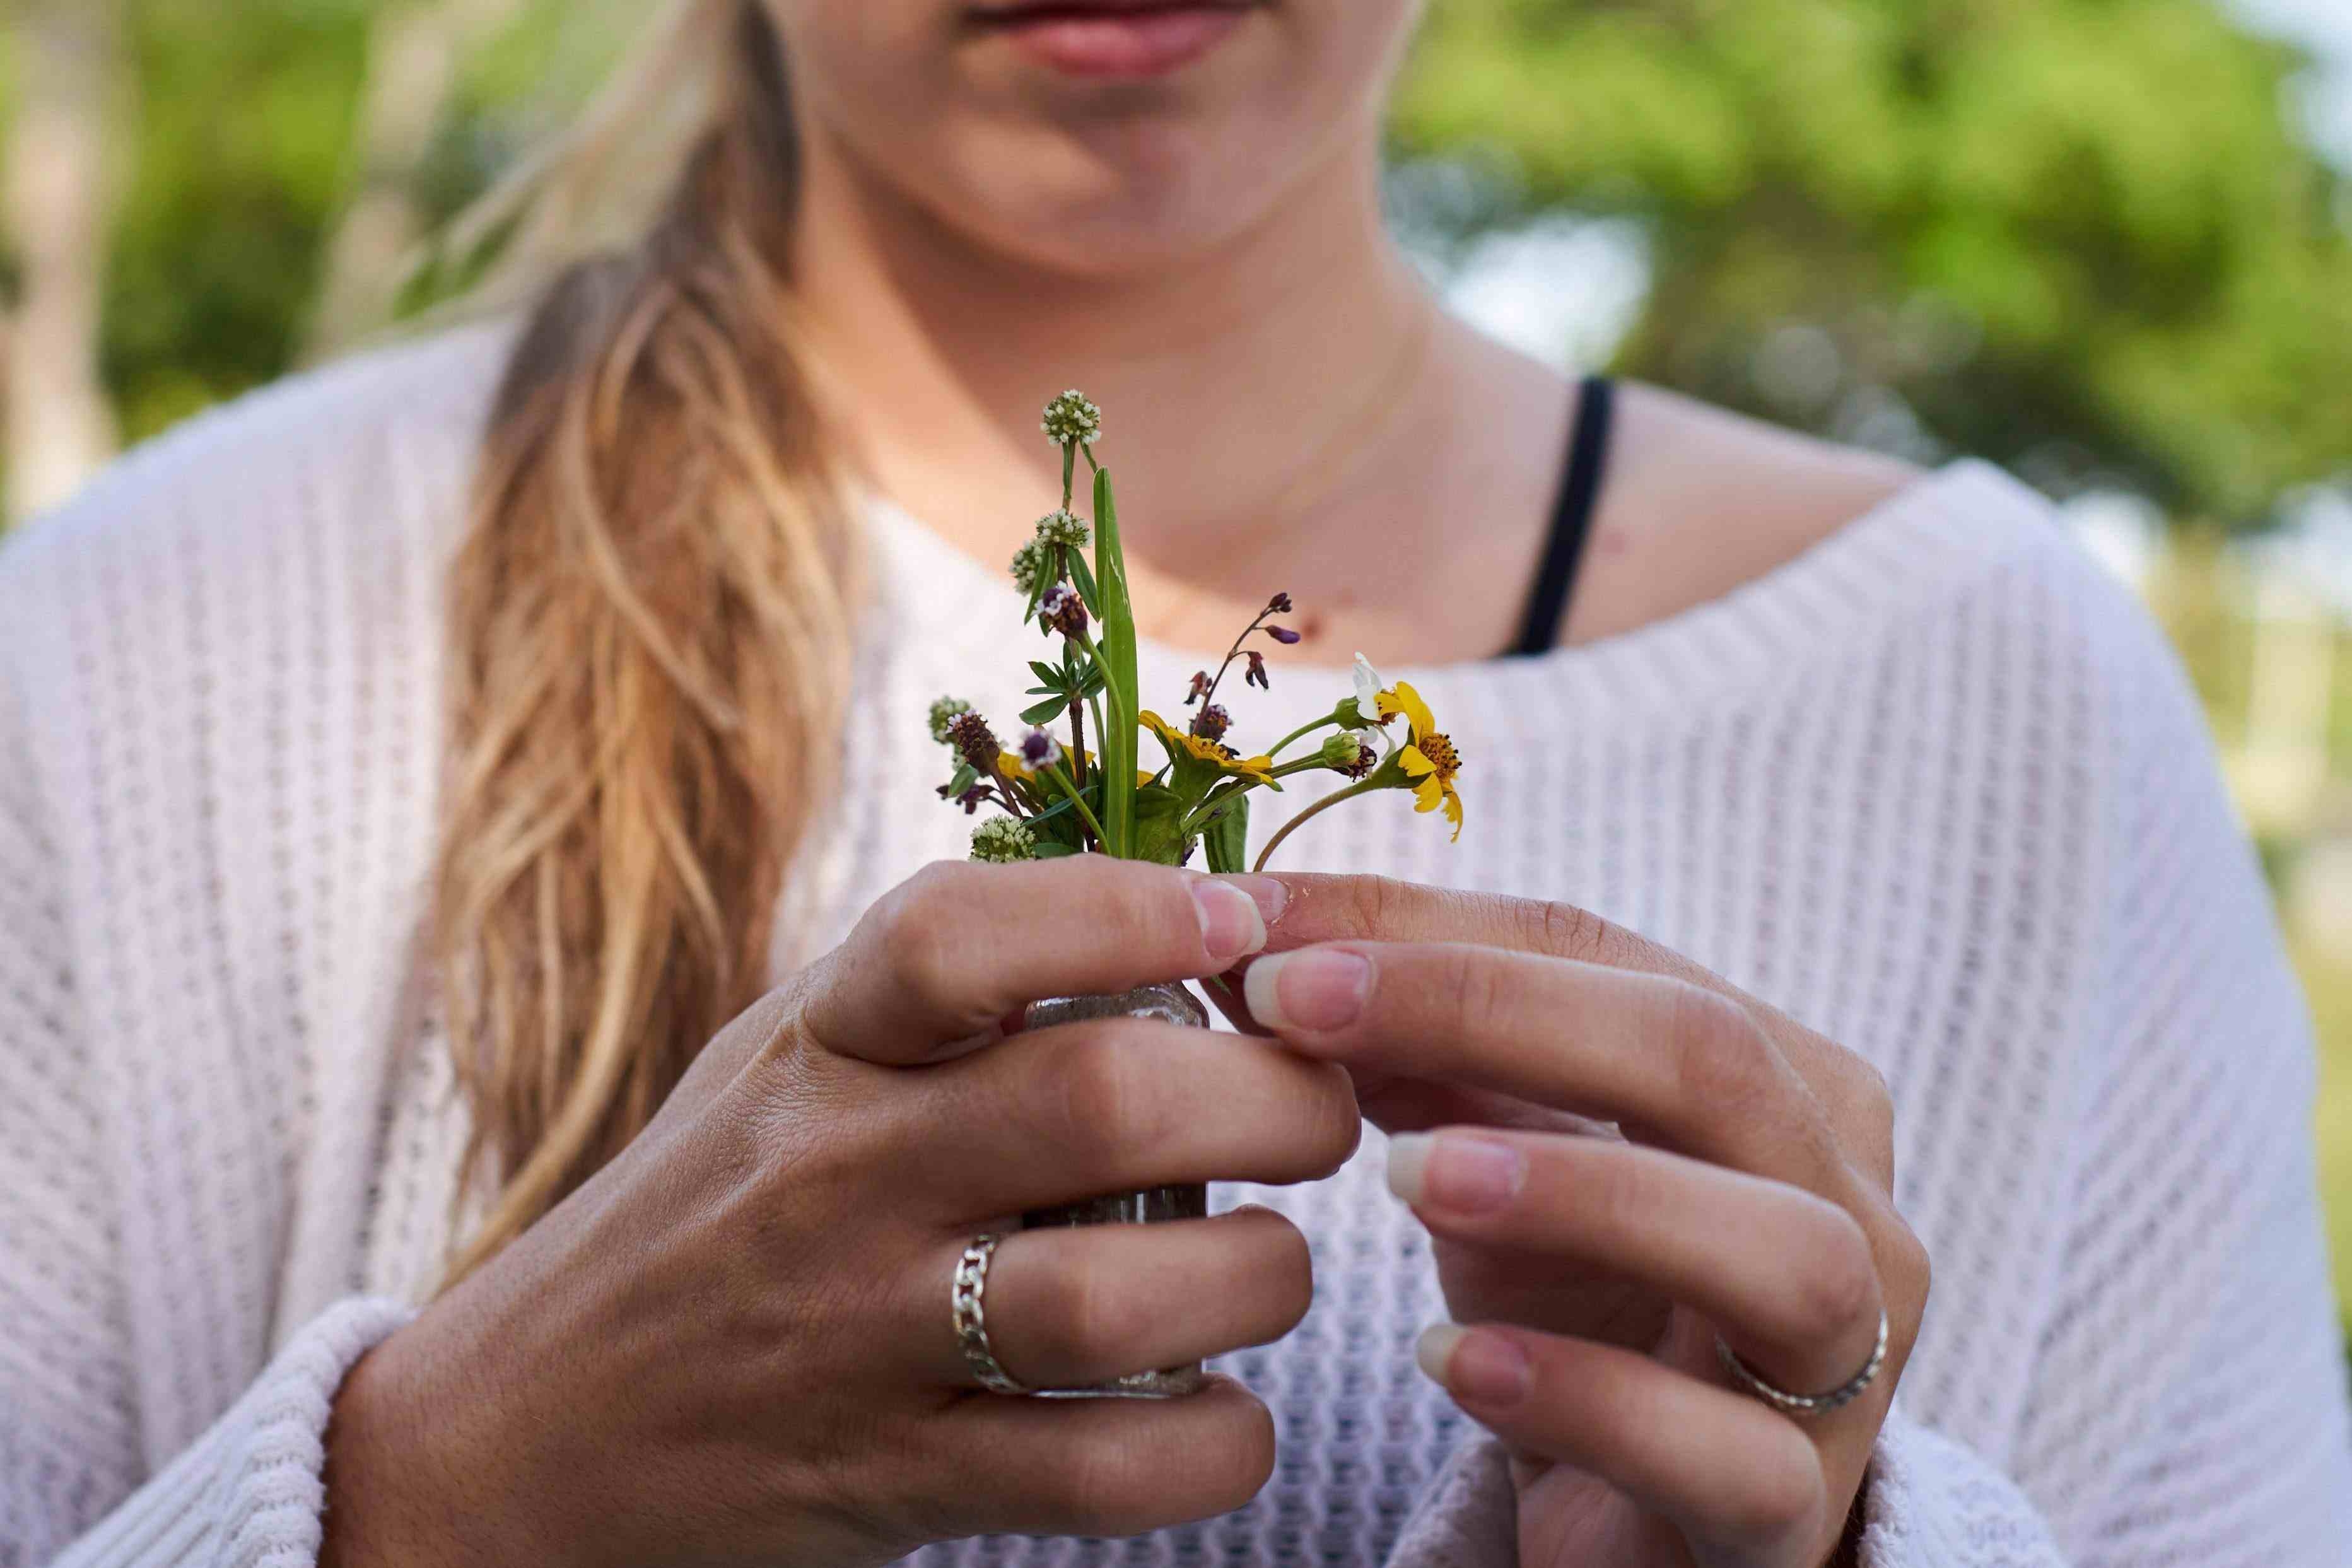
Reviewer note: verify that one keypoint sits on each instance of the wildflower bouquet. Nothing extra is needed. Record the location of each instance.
(1056, 797)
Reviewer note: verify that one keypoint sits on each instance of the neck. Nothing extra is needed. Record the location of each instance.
(938, 351)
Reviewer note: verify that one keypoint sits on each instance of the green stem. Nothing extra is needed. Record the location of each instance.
(1318, 809)
(1322, 724)
(1110, 694)
(1067, 788)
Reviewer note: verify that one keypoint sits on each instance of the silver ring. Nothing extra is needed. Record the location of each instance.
(971, 1318)
(1788, 1403)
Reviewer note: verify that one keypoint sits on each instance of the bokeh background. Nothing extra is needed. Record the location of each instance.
(2107, 243)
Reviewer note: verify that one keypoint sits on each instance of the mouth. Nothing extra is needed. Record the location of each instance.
(1113, 38)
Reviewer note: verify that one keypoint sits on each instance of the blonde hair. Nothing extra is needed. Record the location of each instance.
(649, 620)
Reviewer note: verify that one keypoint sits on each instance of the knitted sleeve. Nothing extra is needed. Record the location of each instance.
(71, 1461)
(2187, 1402)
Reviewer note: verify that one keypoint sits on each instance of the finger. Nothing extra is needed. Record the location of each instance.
(1069, 1307)
(1111, 1106)
(1788, 1276)
(1314, 909)
(1679, 1064)
(1728, 1471)
(1105, 1466)
(949, 953)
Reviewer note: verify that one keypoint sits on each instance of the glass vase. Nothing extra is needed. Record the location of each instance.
(1169, 1004)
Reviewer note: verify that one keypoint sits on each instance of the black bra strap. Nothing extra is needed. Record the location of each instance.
(1571, 519)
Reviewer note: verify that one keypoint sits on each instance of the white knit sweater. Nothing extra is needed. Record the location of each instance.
(1934, 788)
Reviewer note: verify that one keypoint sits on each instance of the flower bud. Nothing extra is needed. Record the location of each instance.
(1284, 635)
(1071, 420)
(974, 742)
(1063, 610)
(1347, 752)
(1066, 528)
(1029, 564)
(944, 712)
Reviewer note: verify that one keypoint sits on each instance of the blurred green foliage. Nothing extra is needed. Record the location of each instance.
(234, 176)
(2076, 236)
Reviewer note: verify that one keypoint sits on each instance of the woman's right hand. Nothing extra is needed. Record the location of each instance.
(734, 1345)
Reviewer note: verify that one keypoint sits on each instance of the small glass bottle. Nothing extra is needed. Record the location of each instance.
(1169, 1004)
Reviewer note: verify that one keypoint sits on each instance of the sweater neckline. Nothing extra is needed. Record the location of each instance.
(1848, 584)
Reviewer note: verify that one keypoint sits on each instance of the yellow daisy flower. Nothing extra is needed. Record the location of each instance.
(1430, 757)
(1183, 748)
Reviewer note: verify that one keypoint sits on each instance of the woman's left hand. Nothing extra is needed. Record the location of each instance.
(1626, 1158)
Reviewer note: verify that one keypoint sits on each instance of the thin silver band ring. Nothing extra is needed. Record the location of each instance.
(1801, 1404)
(971, 1316)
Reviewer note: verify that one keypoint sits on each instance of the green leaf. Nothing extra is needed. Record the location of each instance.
(1051, 708)
(1055, 679)
(1159, 826)
(1083, 575)
(1117, 645)
(1227, 838)
(966, 775)
(1053, 850)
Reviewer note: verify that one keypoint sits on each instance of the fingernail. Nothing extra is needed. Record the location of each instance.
(1316, 991)
(1408, 1160)
(1270, 896)
(1484, 1369)
(1457, 1170)
(1230, 927)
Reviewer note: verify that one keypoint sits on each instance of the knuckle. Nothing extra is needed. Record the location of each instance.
(1560, 930)
(1106, 1491)
(1471, 988)
(1339, 1125)
(914, 933)
(1910, 1278)
(1783, 1496)
(1288, 1276)
(1103, 1105)
(1376, 904)
(1837, 1277)
(1871, 1112)
(1100, 1316)
(1725, 1058)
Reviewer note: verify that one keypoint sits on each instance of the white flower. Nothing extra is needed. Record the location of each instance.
(1073, 419)
(1367, 692)
(1001, 841)
(1066, 529)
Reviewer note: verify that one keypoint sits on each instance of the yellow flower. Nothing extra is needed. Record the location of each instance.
(1430, 758)
(1016, 766)
(1183, 748)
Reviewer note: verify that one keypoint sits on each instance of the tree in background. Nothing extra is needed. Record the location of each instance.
(2076, 236)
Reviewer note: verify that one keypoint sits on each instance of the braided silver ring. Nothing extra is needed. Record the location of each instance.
(1788, 1403)
(971, 1316)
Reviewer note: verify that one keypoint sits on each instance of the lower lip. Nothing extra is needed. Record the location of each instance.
(1126, 44)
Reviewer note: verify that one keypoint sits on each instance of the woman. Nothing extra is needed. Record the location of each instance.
(422, 765)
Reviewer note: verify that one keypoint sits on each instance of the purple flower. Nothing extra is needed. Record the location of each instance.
(1256, 675)
(1212, 723)
(974, 742)
(1062, 609)
(1040, 751)
(1278, 606)
(1282, 635)
(1201, 687)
